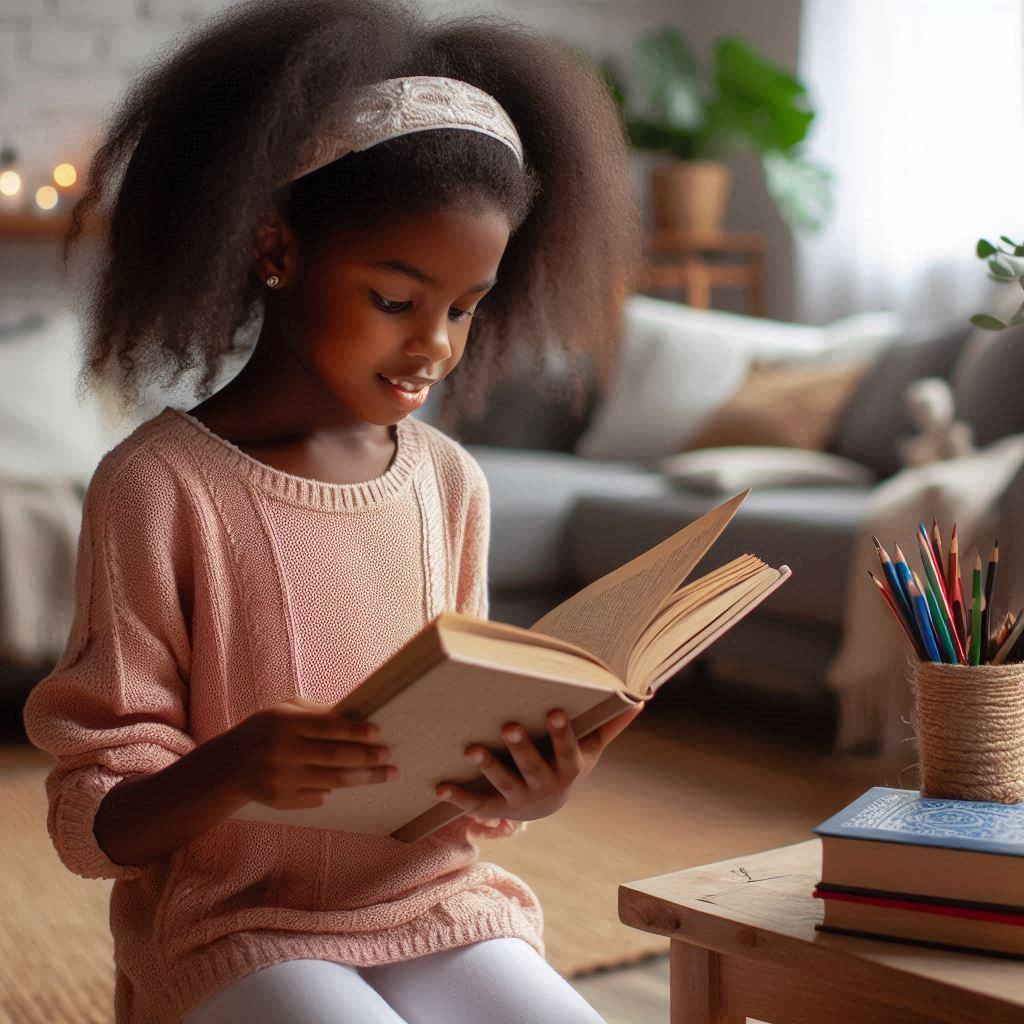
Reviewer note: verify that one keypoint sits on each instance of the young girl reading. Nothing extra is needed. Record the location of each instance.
(384, 200)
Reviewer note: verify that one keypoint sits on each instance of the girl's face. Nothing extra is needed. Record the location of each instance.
(393, 303)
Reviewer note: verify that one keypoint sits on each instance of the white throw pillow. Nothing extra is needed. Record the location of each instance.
(669, 379)
(45, 432)
(679, 364)
(729, 470)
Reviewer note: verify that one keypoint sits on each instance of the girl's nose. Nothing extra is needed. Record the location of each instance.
(431, 343)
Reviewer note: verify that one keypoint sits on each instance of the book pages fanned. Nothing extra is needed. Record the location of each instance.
(608, 616)
(461, 679)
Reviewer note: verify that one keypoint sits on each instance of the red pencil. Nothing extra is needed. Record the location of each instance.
(956, 589)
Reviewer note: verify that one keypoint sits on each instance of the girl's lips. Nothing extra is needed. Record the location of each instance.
(408, 400)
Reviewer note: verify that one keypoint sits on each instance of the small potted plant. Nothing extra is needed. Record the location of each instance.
(1005, 266)
(671, 106)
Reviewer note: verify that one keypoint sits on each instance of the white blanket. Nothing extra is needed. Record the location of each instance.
(869, 671)
(39, 526)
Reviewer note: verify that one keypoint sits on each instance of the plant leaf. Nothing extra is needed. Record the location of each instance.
(985, 248)
(999, 269)
(800, 187)
(989, 323)
(758, 101)
(668, 80)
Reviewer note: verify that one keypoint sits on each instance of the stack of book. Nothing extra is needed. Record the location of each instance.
(943, 873)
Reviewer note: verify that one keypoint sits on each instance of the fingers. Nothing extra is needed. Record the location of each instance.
(337, 753)
(321, 777)
(568, 759)
(326, 724)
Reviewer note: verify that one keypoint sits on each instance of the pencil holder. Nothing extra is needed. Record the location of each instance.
(969, 721)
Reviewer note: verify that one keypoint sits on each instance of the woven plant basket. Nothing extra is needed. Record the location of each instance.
(969, 721)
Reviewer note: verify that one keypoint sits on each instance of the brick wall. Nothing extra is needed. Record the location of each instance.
(64, 63)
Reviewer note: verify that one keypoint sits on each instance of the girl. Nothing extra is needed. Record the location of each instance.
(386, 199)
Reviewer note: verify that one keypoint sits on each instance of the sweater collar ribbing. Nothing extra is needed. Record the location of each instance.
(315, 493)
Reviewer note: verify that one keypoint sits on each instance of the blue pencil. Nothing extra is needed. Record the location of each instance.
(896, 588)
(899, 564)
(924, 623)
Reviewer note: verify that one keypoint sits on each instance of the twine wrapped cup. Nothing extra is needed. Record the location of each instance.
(969, 721)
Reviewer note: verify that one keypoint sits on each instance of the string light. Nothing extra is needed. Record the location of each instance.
(65, 175)
(10, 183)
(46, 197)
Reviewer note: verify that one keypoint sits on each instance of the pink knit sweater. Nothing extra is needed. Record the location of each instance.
(210, 585)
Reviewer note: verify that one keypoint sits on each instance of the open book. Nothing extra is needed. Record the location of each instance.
(460, 679)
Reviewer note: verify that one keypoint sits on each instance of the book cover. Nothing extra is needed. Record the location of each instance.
(904, 817)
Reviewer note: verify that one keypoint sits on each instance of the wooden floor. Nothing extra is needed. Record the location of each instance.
(639, 993)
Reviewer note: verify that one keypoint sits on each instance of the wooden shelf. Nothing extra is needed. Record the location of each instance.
(33, 226)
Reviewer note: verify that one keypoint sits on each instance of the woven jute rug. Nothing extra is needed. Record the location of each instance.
(682, 786)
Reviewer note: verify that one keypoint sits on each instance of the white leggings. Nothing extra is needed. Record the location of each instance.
(497, 981)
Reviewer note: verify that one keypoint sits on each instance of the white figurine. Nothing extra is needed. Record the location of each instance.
(930, 406)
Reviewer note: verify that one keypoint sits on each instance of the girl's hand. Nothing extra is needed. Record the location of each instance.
(294, 753)
(543, 786)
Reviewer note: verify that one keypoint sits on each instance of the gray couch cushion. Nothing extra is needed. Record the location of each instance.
(809, 529)
(532, 495)
(875, 419)
(987, 384)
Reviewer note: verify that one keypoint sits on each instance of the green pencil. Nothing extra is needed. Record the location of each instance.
(940, 623)
(976, 613)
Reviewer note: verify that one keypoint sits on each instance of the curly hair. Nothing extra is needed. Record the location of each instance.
(195, 152)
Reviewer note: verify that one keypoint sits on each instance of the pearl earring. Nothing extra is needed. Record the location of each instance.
(273, 280)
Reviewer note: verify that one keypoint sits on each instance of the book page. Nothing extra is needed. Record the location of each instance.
(608, 616)
(690, 599)
(675, 639)
(703, 640)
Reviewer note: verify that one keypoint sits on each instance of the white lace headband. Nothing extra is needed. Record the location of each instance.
(399, 106)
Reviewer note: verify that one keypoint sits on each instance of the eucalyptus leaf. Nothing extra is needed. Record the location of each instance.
(999, 269)
(988, 323)
(1008, 241)
(985, 248)
(1017, 318)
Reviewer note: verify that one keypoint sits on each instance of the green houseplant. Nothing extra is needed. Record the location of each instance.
(671, 105)
(1004, 265)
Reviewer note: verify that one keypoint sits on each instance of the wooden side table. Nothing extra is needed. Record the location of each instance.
(695, 262)
(743, 944)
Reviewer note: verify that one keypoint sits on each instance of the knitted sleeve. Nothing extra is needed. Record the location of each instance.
(115, 704)
(472, 600)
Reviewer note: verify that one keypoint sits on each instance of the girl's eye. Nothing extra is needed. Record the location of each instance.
(388, 306)
(400, 307)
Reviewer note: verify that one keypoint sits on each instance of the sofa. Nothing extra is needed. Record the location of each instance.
(560, 519)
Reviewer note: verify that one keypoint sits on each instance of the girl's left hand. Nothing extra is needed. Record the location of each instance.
(543, 786)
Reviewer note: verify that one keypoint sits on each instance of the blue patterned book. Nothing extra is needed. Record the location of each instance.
(904, 816)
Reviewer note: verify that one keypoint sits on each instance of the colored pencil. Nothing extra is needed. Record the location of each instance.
(912, 636)
(923, 621)
(986, 615)
(936, 539)
(956, 590)
(895, 587)
(943, 639)
(1003, 631)
(976, 613)
(942, 613)
(1008, 643)
(922, 534)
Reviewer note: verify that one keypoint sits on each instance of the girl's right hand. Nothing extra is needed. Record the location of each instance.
(293, 754)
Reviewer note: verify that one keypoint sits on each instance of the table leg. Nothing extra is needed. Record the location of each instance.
(694, 988)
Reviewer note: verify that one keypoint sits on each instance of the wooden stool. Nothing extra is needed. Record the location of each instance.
(744, 944)
(694, 263)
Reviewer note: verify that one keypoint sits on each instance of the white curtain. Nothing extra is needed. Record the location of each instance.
(921, 118)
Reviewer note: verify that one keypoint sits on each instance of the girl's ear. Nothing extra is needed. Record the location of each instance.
(275, 249)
